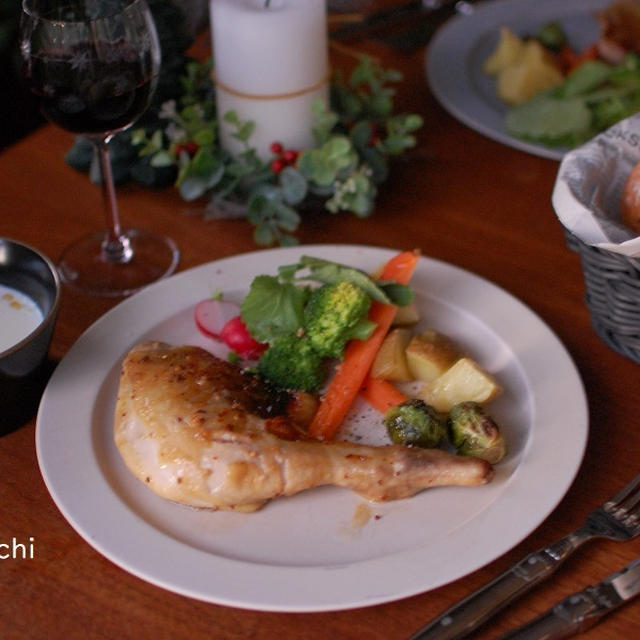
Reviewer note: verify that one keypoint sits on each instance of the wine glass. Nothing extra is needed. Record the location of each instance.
(94, 66)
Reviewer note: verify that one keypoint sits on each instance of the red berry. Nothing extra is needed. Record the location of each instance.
(375, 136)
(191, 148)
(290, 156)
(275, 148)
(188, 147)
(277, 165)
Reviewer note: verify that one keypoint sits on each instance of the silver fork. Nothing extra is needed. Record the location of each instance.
(617, 519)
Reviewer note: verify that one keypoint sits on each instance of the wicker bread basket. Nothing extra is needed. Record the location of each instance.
(612, 283)
(587, 198)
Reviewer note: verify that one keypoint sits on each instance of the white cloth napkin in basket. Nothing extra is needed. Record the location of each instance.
(588, 188)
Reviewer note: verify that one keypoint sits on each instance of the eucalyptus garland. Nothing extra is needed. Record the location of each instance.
(177, 143)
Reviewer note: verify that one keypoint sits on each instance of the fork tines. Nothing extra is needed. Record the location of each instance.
(625, 504)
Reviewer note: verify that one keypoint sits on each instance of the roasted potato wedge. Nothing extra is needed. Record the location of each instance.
(508, 50)
(430, 354)
(406, 315)
(391, 362)
(534, 71)
(464, 381)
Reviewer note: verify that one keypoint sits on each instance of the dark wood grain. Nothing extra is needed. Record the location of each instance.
(458, 197)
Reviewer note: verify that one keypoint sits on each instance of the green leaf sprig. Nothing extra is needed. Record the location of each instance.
(355, 138)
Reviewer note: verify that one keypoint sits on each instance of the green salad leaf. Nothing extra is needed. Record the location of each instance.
(551, 121)
(587, 77)
(328, 272)
(400, 294)
(275, 305)
(273, 308)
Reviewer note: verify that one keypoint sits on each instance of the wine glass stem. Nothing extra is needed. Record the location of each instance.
(116, 246)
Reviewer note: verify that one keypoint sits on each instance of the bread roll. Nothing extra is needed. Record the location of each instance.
(630, 203)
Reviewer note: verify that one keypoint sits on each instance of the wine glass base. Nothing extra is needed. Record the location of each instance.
(85, 267)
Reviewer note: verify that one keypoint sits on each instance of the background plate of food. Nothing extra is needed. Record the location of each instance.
(459, 77)
(326, 548)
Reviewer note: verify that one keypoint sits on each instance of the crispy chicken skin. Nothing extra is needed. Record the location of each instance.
(199, 431)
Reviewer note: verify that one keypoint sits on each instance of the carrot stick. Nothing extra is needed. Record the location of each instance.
(381, 394)
(568, 58)
(359, 355)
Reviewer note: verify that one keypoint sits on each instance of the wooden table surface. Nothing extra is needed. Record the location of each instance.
(459, 197)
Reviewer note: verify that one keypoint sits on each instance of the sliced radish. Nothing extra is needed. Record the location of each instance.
(238, 339)
(212, 315)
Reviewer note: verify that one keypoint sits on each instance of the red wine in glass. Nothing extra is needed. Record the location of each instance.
(94, 66)
(118, 96)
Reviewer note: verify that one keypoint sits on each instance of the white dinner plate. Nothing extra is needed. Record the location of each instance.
(324, 549)
(457, 52)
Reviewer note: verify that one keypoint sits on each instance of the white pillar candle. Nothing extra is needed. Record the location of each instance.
(271, 64)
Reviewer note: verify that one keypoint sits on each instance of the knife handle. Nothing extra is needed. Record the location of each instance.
(470, 613)
(573, 615)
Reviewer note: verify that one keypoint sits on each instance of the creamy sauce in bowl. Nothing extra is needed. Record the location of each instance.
(19, 316)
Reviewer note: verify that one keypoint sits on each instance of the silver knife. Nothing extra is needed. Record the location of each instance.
(584, 609)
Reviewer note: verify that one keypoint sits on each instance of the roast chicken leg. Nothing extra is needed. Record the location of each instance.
(199, 431)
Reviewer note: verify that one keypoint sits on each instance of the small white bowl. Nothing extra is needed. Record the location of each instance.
(30, 273)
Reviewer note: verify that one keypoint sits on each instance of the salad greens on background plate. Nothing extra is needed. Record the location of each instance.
(455, 57)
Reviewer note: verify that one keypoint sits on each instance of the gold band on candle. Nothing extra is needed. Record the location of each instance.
(270, 96)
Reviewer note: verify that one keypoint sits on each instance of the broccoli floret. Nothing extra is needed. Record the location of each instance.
(414, 422)
(291, 363)
(334, 314)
